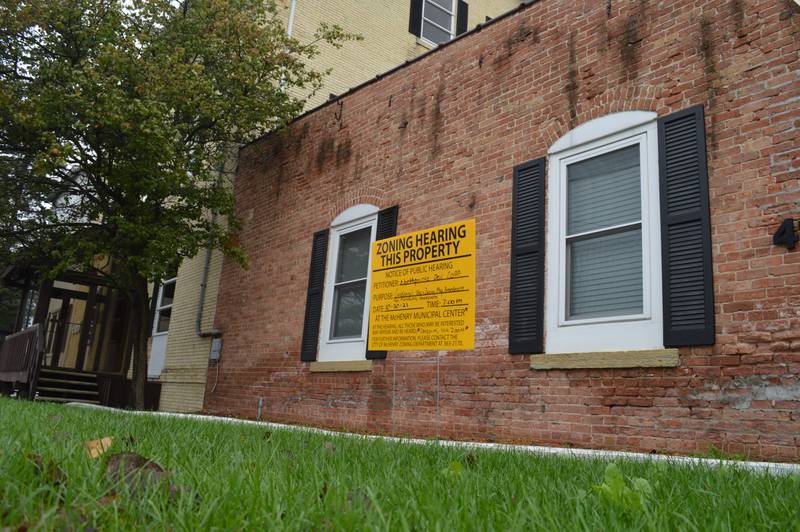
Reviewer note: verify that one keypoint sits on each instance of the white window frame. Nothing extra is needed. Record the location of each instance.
(451, 31)
(345, 349)
(160, 307)
(612, 333)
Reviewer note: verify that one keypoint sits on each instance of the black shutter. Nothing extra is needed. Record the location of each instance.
(387, 227)
(387, 223)
(415, 19)
(685, 230)
(462, 17)
(526, 320)
(316, 284)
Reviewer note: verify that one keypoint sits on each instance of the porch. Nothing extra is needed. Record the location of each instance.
(71, 341)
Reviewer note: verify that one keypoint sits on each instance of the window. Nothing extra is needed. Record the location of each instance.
(343, 331)
(611, 247)
(603, 275)
(437, 20)
(166, 294)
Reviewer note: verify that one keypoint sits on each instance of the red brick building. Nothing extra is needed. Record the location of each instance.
(627, 164)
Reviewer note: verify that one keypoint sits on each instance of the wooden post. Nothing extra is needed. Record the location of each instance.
(43, 304)
(106, 323)
(23, 303)
(87, 326)
(61, 332)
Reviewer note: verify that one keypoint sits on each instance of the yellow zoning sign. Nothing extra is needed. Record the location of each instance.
(423, 290)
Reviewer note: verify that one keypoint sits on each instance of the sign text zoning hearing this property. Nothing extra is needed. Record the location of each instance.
(423, 290)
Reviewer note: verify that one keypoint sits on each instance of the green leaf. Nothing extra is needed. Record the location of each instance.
(615, 491)
(454, 469)
(642, 486)
(613, 478)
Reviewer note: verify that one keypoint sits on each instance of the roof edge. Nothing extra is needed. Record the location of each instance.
(524, 5)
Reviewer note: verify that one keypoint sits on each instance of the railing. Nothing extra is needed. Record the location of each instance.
(117, 391)
(112, 389)
(20, 358)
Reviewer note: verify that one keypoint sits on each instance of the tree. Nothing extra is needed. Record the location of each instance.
(9, 303)
(116, 119)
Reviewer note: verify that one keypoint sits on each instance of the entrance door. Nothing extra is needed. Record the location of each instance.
(68, 324)
(158, 346)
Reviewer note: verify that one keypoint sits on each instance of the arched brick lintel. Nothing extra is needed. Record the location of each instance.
(357, 196)
(613, 100)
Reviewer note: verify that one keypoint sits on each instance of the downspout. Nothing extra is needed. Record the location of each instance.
(198, 325)
(290, 24)
(289, 30)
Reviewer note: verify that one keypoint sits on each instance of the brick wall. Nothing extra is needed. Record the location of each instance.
(439, 138)
(387, 43)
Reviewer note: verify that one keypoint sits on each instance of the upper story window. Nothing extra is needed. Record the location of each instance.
(343, 331)
(438, 21)
(603, 275)
(166, 294)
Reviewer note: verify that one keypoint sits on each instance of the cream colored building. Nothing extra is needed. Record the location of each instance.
(393, 31)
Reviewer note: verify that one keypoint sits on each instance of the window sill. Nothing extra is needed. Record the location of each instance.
(426, 43)
(337, 366)
(652, 358)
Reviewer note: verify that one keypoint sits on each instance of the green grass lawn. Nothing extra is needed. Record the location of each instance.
(245, 477)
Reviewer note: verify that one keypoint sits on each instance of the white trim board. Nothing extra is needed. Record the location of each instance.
(600, 128)
(345, 349)
(774, 468)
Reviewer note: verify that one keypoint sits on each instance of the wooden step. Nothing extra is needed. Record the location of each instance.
(43, 390)
(67, 400)
(70, 372)
(48, 381)
(65, 385)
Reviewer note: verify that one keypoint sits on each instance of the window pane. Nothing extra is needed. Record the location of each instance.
(605, 275)
(167, 294)
(434, 34)
(172, 271)
(164, 316)
(604, 191)
(447, 4)
(437, 15)
(353, 255)
(348, 310)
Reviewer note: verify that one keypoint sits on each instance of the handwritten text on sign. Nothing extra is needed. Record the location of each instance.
(423, 290)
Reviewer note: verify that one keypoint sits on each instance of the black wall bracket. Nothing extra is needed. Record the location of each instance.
(785, 236)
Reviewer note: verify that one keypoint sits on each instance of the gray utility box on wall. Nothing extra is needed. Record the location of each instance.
(216, 349)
